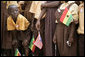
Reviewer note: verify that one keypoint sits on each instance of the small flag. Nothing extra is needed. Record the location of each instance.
(38, 42)
(32, 46)
(66, 17)
(17, 53)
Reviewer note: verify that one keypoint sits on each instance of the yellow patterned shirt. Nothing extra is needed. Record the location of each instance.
(21, 24)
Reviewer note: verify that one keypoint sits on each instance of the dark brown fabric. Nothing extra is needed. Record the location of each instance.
(27, 14)
(81, 45)
(62, 35)
(6, 38)
(42, 32)
(49, 30)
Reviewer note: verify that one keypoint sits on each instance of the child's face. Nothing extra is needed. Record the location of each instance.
(14, 12)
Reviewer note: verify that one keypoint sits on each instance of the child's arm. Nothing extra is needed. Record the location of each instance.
(40, 17)
(51, 4)
(42, 13)
(71, 36)
(54, 37)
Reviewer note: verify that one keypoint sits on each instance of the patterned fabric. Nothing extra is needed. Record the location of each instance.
(21, 24)
(73, 9)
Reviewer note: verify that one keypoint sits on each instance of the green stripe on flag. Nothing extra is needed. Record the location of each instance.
(16, 52)
(69, 20)
(31, 46)
(31, 43)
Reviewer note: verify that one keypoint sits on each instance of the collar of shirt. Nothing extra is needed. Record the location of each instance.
(64, 5)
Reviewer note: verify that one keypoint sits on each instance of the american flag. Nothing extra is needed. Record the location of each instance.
(38, 42)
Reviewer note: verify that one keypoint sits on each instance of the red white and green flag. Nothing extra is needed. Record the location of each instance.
(17, 53)
(38, 41)
(32, 46)
(66, 17)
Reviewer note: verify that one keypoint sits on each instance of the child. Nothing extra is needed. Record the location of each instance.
(35, 9)
(64, 35)
(49, 7)
(17, 24)
(80, 29)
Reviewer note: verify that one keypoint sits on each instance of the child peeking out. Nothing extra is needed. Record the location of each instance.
(16, 21)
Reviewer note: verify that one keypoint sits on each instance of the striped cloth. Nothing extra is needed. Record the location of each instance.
(66, 17)
(32, 46)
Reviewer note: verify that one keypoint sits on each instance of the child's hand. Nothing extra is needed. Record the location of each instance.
(42, 6)
(70, 42)
(38, 25)
(54, 39)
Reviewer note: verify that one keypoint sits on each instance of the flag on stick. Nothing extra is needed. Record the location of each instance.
(32, 46)
(17, 53)
(38, 41)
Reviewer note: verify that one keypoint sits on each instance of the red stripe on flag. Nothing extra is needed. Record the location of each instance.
(19, 54)
(33, 49)
(64, 14)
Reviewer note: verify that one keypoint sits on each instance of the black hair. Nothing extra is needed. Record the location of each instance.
(77, 2)
(11, 6)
